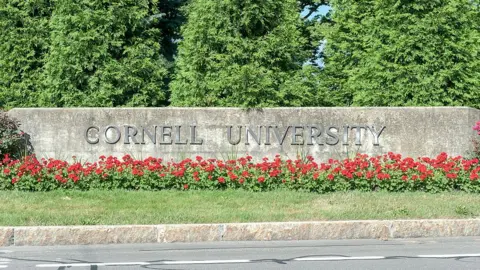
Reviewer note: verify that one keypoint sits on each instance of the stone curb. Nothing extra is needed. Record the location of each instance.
(321, 230)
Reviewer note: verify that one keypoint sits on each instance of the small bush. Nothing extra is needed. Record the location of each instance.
(12, 139)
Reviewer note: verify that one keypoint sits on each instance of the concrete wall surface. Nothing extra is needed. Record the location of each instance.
(88, 133)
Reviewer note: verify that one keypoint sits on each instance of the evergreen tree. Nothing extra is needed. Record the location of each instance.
(87, 52)
(24, 42)
(105, 54)
(169, 23)
(403, 52)
(246, 53)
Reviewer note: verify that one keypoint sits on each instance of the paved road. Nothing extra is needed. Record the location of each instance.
(457, 253)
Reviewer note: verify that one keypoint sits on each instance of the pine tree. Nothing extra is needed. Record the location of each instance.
(24, 42)
(87, 52)
(403, 52)
(104, 54)
(246, 53)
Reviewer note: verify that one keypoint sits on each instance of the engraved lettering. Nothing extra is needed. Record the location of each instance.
(229, 135)
(130, 133)
(333, 137)
(87, 135)
(249, 132)
(117, 135)
(376, 134)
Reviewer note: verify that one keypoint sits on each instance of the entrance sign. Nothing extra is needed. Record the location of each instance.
(88, 133)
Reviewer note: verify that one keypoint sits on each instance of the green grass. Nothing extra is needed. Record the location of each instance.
(167, 207)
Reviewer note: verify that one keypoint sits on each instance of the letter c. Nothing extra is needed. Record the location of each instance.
(87, 138)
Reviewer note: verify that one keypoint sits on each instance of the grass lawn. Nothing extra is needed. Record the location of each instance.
(128, 207)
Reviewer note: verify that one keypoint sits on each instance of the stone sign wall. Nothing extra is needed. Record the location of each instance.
(88, 133)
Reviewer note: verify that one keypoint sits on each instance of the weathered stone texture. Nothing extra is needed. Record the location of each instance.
(267, 231)
(419, 131)
(6, 237)
(349, 230)
(435, 228)
(322, 230)
(84, 235)
(190, 233)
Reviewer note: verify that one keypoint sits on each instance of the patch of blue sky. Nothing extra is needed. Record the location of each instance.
(322, 10)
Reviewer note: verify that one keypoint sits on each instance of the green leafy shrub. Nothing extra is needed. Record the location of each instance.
(403, 53)
(242, 54)
(12, 139)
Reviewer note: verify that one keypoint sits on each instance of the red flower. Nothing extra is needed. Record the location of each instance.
(330, 177)
(232, 176)
(451, 175)
(6, 171)
(477, 127)
(221, 180)
(14, 180)
(261, 179)
(195, 176)
(185, 186)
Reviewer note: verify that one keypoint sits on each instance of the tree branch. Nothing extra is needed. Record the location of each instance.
(313, 9)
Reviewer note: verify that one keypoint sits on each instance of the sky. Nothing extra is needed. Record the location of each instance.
(322, 11)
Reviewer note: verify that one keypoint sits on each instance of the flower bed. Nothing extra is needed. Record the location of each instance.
(389, 172)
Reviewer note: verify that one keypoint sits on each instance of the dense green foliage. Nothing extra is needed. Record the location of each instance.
(242, 53)
(24, 42)
(247, 53)
(87, 52)
(104, 55)
(397, 53)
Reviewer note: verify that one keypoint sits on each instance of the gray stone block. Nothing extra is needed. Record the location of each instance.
(6, 236)
(84, 235)
(188, 132)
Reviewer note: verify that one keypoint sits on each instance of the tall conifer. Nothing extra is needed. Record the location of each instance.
(246, 53)
(24, 43)
(403, 52)
(104, 54)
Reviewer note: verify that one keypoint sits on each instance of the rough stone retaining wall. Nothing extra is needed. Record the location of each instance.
(323, 230)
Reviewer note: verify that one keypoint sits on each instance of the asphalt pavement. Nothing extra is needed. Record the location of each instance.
(443, 253)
